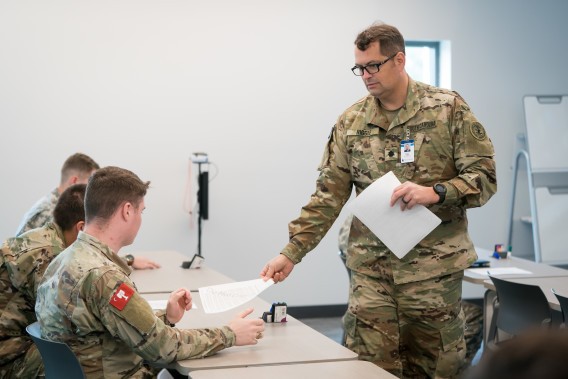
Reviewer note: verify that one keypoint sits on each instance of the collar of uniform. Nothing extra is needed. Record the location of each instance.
(411, 106)
(405, 113)
(57, 228)
(376, 117)
(55, 193)
(105, 250)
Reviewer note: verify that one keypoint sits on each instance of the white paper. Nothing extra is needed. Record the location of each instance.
(223, 297)
(158, 305)
(482, 271)
(399, 230)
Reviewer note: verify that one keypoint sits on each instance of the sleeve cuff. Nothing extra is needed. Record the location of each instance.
(230, 336)
(293, 253)
(451, 192)
(161, 314)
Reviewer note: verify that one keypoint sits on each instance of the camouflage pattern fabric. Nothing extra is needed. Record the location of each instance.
(473, 313)
(40, 213)
(343, 236)
(473, 331)
(412, 330)
(76, 304)
(23, 261)
(451, 148)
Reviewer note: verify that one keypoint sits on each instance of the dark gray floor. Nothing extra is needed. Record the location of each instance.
(328, 326)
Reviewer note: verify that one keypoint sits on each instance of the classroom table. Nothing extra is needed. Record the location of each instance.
(171, 275)
(560, 285)
(329, 370)
(283, 343)
(538, 270)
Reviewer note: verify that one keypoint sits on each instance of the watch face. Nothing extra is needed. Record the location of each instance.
(439, 188)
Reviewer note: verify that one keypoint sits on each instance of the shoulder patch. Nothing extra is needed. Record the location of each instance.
(477, 131)
(121, 296)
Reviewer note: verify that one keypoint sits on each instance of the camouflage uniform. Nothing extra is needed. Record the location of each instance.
(452, 148)
(40, 213)
(473, 313)
(75, 305)
(23, 261)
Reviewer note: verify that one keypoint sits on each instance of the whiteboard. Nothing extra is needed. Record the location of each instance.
(547, 132)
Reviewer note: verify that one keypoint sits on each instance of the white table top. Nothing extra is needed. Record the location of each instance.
(538, 270)
(172, 276)
(560, 285)
(331, 370)
(283, 343)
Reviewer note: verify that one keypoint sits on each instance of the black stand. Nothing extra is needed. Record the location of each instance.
(202, 213)
(203, 200)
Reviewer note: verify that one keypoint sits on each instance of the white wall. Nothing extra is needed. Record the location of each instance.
(257, 85)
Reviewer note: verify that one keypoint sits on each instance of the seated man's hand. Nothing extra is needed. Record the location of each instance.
(179, 302)
(141, 263)
(248, 331)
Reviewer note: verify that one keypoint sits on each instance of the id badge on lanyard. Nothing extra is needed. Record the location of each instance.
(407, 149)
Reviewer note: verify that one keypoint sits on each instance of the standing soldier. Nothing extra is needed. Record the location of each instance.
(404, 315)
(23, 260)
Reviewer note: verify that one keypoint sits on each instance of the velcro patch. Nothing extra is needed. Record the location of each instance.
(121, 296)
(477, 131)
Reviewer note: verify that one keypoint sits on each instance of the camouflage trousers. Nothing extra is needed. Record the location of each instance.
(412, 330)
(26, 366)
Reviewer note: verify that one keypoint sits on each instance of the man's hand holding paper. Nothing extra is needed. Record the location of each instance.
(400, 229)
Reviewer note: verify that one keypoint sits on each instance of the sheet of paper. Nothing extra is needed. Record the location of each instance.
(158, 305)
(223, 297)
(399, 230)
(482, 272)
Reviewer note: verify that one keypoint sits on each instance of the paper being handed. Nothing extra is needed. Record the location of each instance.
(399, 230)
(223, 297)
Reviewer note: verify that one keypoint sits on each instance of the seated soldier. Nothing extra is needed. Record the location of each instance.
(76, 170)
(87, 300)
(23, 261)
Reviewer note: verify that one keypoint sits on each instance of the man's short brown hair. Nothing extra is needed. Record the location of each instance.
(108, 189)
(78, 164)
(390, 39)
(70, 207)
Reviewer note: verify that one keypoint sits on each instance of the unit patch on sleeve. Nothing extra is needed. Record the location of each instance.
(121, 296)
(477, 131)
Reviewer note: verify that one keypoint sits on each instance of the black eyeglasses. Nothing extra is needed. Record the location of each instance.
(372, 68)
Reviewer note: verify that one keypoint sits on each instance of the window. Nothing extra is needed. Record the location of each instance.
(428, 62)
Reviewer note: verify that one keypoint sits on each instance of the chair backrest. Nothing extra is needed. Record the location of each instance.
(59, 361)
(521, 306)
(563, 300)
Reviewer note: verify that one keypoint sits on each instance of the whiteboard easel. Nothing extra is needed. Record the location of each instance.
(545, 153)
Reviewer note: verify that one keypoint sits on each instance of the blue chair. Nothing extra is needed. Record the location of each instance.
(59, 361)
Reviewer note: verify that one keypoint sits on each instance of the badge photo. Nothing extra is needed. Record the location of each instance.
(407, 151)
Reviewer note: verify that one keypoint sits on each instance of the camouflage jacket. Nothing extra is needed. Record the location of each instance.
(451, 148)
(40, 213)
(87, 300)
(23, 261)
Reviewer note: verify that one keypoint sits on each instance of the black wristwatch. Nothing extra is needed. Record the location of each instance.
(129, 259)
(440, 189)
